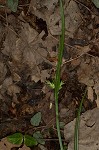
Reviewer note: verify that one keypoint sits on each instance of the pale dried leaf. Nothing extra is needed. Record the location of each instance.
(97, 101)
(24, 148)
(44, 75)
(5, 145)
(35, 78)
(82, 50)
(28, 33)
(7, 82)
(88, 133)
(72, 19)
(16, 77)
(90, 94)
(13, 89)
(10, 42)
(42, 147)
(96, 88)
(50, 4)
(3, 71)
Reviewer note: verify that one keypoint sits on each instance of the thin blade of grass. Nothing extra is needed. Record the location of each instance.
(76, 133)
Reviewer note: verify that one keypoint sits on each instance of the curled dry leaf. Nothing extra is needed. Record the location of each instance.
(88, 132)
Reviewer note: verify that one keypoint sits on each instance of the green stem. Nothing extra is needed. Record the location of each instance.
(58, 70)
(76, 134)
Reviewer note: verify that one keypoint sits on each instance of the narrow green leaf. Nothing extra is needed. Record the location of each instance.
(38, 136)
(30, 141)
(76, 131)
(16, 138)
(36, 119)
(12, 4)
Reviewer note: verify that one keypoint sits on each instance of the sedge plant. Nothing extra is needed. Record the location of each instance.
(58, 70)
(57, 83)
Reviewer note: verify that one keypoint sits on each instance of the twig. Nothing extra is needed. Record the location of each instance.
(53, 140)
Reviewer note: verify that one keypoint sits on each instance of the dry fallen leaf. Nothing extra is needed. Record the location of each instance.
(24, 148)
(5, 145)
(28, 33)
(13, 89)
(44, 75)
(96, 88)
(88, 133)
(3, 71)
(90, 94)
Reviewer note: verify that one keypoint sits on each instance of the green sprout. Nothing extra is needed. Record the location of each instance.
(52, 84)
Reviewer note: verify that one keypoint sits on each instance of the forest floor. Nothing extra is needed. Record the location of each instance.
(29, 40)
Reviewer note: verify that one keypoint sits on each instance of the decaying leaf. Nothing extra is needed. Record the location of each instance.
(88, 73)
(90, 94)
(42, 147)
(5, 145)
(88, 133)
(96, 88)
(24, 148)
(3, 71)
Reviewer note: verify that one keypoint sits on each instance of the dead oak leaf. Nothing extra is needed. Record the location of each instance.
(42, 76)
(5, 145)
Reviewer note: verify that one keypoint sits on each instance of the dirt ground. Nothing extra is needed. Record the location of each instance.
(28, 56)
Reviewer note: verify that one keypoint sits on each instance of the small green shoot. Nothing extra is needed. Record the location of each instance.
(52, 84)
(76, 134)
(36, 119)
(18, 139)
(12, 4)
(38, 136)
